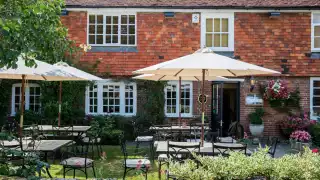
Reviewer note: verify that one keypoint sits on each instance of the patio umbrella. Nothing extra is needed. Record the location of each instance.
(42, 71)
(76, 72)
(205, 63)
(154, 77)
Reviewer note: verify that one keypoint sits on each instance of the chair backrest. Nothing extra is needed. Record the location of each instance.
(163, 133)
(273, 146)
(179, 151)
(225, 148)
(212, 136)
(123, 147)
(63, 133)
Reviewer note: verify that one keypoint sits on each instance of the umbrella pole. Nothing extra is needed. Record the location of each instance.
(202, 107)
(22, 104)
(60, 101)
(179, 100)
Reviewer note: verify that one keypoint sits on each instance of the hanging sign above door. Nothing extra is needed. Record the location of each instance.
(200, 97)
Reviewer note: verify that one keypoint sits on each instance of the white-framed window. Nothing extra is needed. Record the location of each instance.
(32, 98)
(112, 29)
(172, 94)
(315, 32)
(315, 98)
(217, 31)
(108, 97)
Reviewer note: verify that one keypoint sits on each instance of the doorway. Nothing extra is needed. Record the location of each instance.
(225, 106)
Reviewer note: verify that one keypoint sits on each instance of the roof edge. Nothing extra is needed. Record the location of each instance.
(205, 7)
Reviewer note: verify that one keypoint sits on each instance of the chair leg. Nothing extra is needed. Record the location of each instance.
(92, 150)
(98, 151)
(74, 173)
(85, 172)
(64, 172)
(94, 172)
(159, 170)
(146, 173)
(137, 147)
(124, 173)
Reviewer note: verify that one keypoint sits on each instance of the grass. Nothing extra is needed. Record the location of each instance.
(111, 167)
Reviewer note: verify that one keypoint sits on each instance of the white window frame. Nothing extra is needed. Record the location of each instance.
(312, 79)
(190, 114)
(230, 17)
(26, 93)
(119, 28)
(122, 98)
(313, 49)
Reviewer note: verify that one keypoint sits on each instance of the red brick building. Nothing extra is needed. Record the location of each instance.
(283, 35)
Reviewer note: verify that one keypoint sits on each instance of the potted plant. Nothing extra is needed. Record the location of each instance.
(294, 122)
(256, 122)
(300, 139)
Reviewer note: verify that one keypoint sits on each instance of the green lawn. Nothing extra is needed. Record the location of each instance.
(111, 167)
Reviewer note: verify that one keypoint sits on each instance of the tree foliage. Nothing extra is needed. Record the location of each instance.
(32, 28)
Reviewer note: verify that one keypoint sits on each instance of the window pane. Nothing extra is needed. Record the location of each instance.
(131, 29)
(316, 92)
(99, 29)
(132, 40)
(115, 29)
(92, 39)
(124, 39)
(317, 42)
(115, 19)
(131, 19)
(216, 40)
(316, 111)
(224, 25)
(99, 39)
(108, 29)
(216, 25)
(316, 83)
(108, 19)
(317, 31)
(92, 19)
(316, 101)
(208, 40)
(209, 25)
(115, 39)
(99, 19)
(124, 29)
(108, 38)
(316, 18)
(92, 29)
(224, 40)
(124, 19)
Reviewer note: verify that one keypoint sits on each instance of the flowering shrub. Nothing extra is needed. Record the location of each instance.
(301, 136)
(293, 123)
(276, 90)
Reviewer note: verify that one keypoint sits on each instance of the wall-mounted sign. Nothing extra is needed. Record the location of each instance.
(254, 99)
(195, 18)
(200, 97)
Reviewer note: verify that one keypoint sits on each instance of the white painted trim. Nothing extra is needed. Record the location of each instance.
(134, 10)
(312, 34)
(230, 17)
(112, 13)
(122, 97)
(312, 79)
(26, 93)
(177, 99)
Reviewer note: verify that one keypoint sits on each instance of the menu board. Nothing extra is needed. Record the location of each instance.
(254, 99)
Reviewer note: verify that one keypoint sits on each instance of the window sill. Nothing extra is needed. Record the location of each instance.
(315, 55)
(177, 116)
(113, 49)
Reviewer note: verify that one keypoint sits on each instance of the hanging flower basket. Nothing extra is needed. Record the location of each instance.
(277, 93)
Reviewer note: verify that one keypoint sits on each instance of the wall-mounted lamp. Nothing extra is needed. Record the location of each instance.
(252, 83)
(64, 12)
(168, 14)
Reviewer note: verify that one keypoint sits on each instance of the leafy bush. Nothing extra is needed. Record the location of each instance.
(256, 116)
(304, 166)
(29, 117)
(105, 127)
(315, 134)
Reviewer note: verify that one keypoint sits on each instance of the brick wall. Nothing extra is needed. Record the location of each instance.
(272, 115)
(158, 39)
(276, 43)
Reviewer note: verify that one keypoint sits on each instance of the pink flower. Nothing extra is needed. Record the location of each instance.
(139, 165)
(315, 150)
(301, 136)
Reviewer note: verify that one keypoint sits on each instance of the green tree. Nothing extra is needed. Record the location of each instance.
(32, 28)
